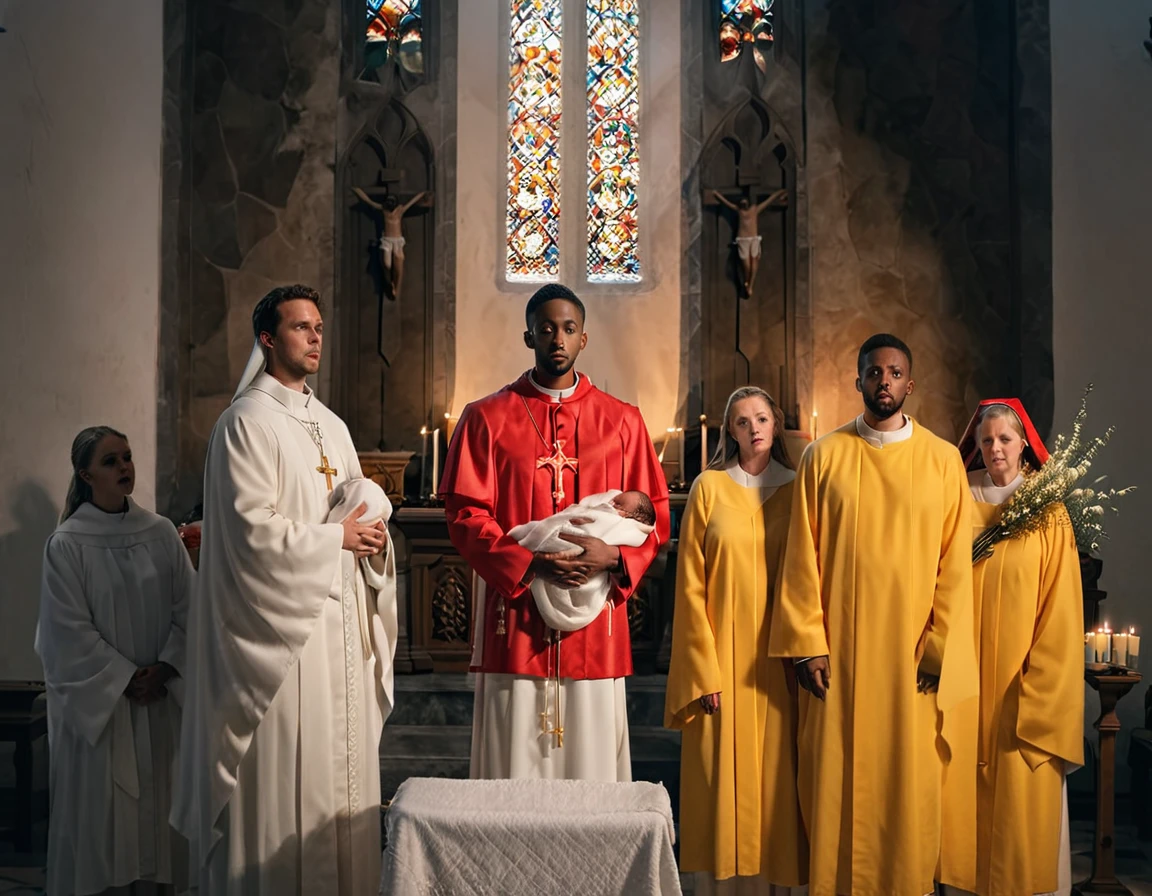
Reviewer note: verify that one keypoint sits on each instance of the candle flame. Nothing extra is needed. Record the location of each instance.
(423, 430)
(447, 416)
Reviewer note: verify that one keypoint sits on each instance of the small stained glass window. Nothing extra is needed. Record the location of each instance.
(394, 32)
(534, 81)
(613, 175)
(745, 22)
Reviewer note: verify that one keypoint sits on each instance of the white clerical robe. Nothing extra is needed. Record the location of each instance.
(114, 598)
(280, 791)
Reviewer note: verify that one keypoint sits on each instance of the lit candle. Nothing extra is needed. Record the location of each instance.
(680, 460)
(1089, 648)
(435, 461)
(667, 438)
(1133, 649)
(449, 428)
(813, 424)
(1101, 643)
(1120, 648)
(703, 442)
(423, 459)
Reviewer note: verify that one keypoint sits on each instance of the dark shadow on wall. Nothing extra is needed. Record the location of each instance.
(35, 514)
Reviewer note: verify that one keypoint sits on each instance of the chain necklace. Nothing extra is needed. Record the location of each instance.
(317, 436)
(557, 461)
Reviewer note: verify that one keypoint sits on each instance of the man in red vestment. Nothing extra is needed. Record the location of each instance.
(548, 704)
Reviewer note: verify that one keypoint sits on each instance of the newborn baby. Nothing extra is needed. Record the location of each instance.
(622, 519)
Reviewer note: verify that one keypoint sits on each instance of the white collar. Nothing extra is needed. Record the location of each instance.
(772, 477)
(554, 394)
(296, 402)
(878, 439)
(91, 520)
(987, 491)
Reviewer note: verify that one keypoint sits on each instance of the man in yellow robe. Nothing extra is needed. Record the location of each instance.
(875, 606)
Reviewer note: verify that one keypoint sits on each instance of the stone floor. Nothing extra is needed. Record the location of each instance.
(24, 875)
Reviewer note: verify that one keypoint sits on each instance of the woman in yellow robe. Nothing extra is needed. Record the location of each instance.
(1029, 635)
(740, 822)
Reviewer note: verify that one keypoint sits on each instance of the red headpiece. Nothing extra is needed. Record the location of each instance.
(1035, 453)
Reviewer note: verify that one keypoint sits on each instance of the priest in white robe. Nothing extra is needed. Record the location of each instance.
(114, 600)
(280, 784)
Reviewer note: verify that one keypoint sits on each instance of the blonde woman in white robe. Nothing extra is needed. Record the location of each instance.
(113, 604)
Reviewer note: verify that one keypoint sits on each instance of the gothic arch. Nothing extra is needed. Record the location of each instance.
(748, 339)
(386, 367)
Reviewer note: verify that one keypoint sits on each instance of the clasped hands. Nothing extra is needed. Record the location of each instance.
(147, 684)
(815, 676)
(361, 540)
(574, 568)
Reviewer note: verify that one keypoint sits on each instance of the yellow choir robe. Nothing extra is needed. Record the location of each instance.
(878, 576)
(1029, 620)
(739, 813)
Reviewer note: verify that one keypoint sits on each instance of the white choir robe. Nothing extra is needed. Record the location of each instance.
(280, 786)
(114, 598)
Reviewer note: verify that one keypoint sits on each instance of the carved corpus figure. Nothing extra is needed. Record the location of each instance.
(392, 240)
(748, 238)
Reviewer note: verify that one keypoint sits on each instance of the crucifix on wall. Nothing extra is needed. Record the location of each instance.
(385, 202)
(748, 241)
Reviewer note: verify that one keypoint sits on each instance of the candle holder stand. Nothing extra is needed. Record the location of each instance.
(1112, 683)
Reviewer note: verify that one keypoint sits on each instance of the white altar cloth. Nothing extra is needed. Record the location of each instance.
(450, 837)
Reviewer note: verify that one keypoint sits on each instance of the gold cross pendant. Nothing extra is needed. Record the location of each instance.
(326, 470)
(557, 462)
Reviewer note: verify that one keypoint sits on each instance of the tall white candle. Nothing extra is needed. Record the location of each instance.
(1133, 649)
(1089, 648)
(1102, 646)
(814, 433)
(423, 460)
(703, 442)
(1120, 648)
(680, 439)
(435, 461)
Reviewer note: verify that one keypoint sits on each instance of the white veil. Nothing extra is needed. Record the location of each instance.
(254, 367)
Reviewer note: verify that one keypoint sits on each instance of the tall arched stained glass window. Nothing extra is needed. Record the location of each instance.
(613, 175)
(533, 218)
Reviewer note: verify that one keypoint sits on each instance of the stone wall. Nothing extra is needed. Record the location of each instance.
(926, 160)
(252, 110)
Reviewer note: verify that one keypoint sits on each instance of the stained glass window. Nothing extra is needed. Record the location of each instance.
(394, 31)
(745, 21)
(613, 132)
(534, 140)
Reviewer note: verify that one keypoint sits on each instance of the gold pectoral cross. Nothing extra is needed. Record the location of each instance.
(557, 461)
(326, 470)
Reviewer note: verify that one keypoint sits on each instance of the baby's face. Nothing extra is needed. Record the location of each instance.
(626, 503)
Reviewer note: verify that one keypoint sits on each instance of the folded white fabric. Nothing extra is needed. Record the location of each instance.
(570, 609)
(351, 493)
(379, 620)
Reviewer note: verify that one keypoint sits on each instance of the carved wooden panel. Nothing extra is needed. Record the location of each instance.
(451, 609)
